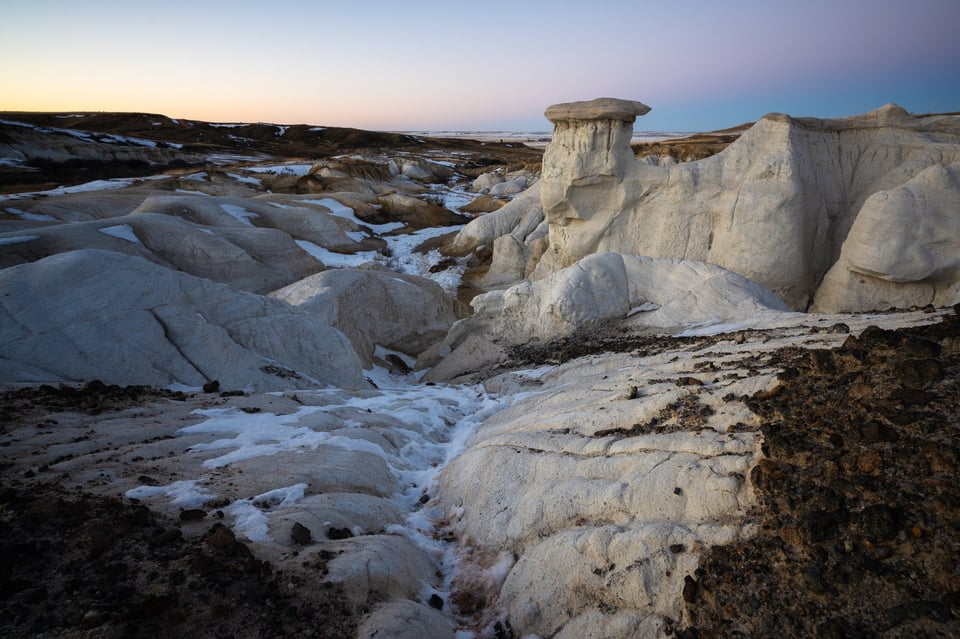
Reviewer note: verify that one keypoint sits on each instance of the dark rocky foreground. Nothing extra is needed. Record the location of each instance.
(860, 499)
(80, 565)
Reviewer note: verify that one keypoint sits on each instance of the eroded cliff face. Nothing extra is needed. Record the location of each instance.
(776, 206)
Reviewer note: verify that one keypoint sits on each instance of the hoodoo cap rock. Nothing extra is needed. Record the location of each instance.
(599, 109)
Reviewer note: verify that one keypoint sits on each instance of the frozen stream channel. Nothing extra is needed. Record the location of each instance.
(340, 473)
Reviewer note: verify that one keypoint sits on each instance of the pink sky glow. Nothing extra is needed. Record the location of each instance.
(427, 65)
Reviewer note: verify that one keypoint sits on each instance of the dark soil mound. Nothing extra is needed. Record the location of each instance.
(860, 492)
(78, 565)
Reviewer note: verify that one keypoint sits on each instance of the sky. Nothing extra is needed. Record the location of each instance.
(490, 65)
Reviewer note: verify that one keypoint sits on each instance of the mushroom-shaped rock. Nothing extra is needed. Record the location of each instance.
(588, 156)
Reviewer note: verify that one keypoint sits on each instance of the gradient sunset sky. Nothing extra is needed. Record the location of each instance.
(484, 65)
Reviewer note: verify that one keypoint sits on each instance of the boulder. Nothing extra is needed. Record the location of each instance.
(482, 204)
(902, 250)
(509, 187)
(421, 170)
(497, 184)
(406, 313)
(414, 212)
(486, 181)
(95, 314)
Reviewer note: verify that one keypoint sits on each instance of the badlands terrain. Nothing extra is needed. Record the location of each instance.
(297, 381)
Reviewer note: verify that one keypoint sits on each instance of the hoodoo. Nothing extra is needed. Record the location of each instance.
(789, 202)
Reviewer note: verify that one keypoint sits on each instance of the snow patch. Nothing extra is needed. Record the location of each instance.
(713, 328)
(341, 210)
(17, 239)
(245, 179)
(249, 517)
(96, 185)
(298, 170)
(239, 213)
(643, 308)
(37, 217)
(121, 231)
(185, 494)
(336, 260)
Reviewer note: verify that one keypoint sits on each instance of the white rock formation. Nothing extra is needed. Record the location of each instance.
(605, 516)
(601, 288)
(400, 312)
(775, 206)
(903, 248)
(300, 222)
(96, 314)
(606, 477)
(251, 259)
(521, 216)
(516, 234)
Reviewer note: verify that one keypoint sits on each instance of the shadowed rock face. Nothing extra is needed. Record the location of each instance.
(400, 312)
(776, 206)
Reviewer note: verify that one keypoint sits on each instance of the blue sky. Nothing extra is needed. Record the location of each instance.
(492, 65)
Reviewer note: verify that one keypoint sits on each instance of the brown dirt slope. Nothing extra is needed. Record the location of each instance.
(693, 147)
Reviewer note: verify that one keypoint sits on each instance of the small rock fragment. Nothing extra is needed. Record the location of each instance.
(301, 534)
(192, 514)
(339, 533)
(690, 588)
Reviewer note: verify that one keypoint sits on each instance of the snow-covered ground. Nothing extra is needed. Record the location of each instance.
(536, 139)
